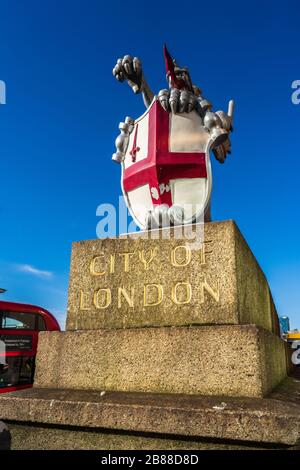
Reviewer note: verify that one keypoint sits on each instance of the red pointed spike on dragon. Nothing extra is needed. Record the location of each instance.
(165, 153)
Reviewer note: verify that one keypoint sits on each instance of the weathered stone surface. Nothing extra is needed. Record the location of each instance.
(36, 437)
(136, 282)
(275, 419)
(179, 332)
(233, 360)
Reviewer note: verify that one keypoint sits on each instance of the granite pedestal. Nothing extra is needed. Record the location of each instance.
(175, 335)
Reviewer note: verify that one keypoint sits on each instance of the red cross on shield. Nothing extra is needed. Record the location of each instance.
(167, 162)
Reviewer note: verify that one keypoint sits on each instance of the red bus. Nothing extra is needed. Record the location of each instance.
(19, 328)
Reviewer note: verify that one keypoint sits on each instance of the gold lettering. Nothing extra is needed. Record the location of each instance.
(204, 286)
(143, 259)
(204, 252)
(159, 294)
(82, 305)
(106, 298)
(187, 256)
(126, 261)
(129, 299)
(112, 264)
(188, 289)
(93, 266)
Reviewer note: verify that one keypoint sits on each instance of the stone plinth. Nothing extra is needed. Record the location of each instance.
(237, 360)
(75, 419)
(175, 336)
(136, 282)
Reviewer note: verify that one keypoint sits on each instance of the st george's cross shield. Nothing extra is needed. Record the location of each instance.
(167, 162)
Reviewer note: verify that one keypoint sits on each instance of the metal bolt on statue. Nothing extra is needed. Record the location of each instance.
(165, 153)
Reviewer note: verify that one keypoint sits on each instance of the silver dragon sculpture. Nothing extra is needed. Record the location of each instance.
(181, 97)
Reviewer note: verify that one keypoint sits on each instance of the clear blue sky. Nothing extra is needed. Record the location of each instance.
(63, 107)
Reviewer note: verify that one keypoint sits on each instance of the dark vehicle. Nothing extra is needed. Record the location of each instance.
(5, 437)
(19, 328)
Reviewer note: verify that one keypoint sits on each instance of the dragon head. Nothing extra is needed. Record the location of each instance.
(177, 77)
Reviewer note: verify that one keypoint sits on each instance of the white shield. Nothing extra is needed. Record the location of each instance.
(167, 163)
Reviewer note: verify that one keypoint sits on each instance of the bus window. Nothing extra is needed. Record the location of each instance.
(26, 370)
(17, 320)
(19, 330)
(17, 371)
(41, 323)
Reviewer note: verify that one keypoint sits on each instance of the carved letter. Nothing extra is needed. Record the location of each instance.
(126, 261)
(112, 263)
(188, 289)
(144, 261)
(129, 299)
(82, 305)
(93, 266)
(159, 294)
(187, 256)
(204, 251)
(204, 286)
(107, 298)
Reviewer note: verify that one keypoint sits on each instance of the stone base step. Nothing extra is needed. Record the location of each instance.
(272, 420)
(231, 360)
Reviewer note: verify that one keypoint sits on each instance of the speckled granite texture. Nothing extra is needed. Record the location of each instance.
(173, 336)
(75, 419)
(234, 360)
(212, 278)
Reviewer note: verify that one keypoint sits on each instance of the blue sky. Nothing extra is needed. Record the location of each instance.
(58, 127)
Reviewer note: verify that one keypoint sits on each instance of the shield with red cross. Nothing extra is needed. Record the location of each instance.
(167, 162)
